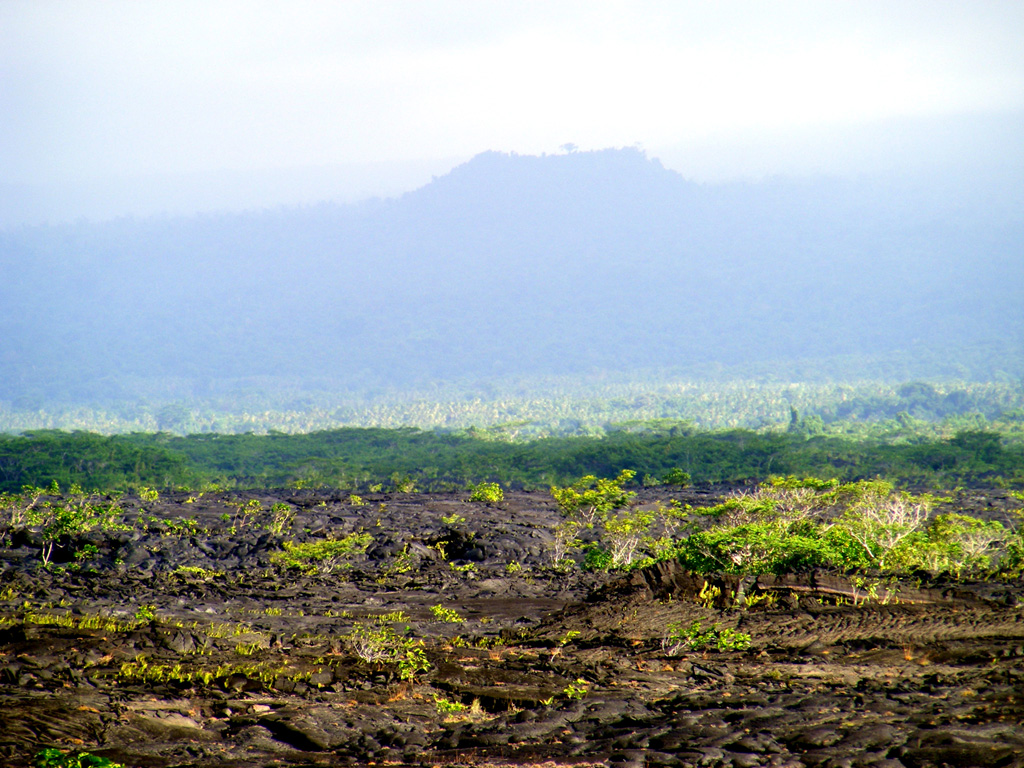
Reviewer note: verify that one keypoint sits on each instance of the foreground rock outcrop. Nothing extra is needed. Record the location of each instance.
(180, 643)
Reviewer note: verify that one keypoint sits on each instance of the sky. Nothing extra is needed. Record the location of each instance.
(137, 106)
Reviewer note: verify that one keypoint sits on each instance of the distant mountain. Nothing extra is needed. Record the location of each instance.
(515, 266)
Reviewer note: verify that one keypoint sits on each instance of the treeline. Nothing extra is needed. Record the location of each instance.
(528, 409)
(355, 458)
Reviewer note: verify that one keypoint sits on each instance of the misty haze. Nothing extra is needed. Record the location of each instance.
(239, 217)
(520, 269)
(626, 384)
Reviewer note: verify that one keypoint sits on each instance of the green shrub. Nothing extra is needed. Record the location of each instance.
(625, 531)
(487, 492)
(446, 614)
(565, 540)
(58, 758)
(676, 476)
(73, 514)
(281, 517)
(590, 498)
(453, 520)
(577, 690)
(149, 494)
(322, 556)
(403, 483)
(448, 707)
(596, 558)
(592, 501)
(792, 524)
(377, 642)
(882, 520)
(696, 638)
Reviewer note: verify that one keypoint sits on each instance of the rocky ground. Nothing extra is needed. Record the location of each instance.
(179, 643)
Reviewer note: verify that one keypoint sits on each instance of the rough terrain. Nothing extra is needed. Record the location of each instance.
(179, 643)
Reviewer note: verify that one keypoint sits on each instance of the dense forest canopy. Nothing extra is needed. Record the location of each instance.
(404, 459)
(584, 265)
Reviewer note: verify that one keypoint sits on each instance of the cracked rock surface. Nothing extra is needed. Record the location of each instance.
(182, 643)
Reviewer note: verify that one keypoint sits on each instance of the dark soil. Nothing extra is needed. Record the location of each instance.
(245, 663)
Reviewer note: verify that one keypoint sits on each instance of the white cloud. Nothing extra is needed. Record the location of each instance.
(108, 88)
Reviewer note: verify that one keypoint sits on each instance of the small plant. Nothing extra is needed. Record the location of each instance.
(464, 568)
(448, 707)
(577, 690)
(732, 640)
(490, 493)
(453, 520)
(590, 498)
(403, 483)
(568, 637)
(596, 558)
(696, 638)
(402, 563)
(322, 557)
(377, 642)
(145, 613)
(708, 595)
(246, 512)
(72, 515)
(513, 568)
(446, 615)
(356, 501)
(281, 516)
(756, 598)
(197, 572)
(566, 540)
(625, 532)
(149, 494)
(187, 527)
(58, 758)
(86, 552)
(676, 476)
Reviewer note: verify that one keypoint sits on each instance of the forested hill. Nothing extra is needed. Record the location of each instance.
(514, 265)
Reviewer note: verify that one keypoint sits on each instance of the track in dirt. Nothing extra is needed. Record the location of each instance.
(198, 649)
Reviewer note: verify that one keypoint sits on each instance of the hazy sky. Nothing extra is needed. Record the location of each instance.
(388, 90)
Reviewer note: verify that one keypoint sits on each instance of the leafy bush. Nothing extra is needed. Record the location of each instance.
(792, 524)
(591, 501)
(590, 498)
(625, 532)
(447, 706)
(597, 558)
(322, 556)
(58, 758)
(696, 638)
(676, 476)
(958, 543)
(565, 541)
(446, 614)
(281, 517)
(577, 690)
(377, 642)
(72, 514)
(453, 520)
(149, 494)
(487, 492)
(403, 483)
(1013, 560)
(881, 520)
